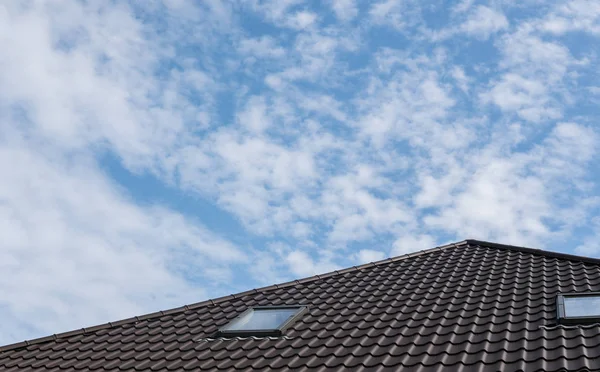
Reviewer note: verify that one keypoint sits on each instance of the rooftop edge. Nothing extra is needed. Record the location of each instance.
(214, 301)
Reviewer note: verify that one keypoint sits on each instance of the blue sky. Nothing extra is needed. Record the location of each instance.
(160, 153)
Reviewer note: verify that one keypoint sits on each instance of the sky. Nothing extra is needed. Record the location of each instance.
(160, 153)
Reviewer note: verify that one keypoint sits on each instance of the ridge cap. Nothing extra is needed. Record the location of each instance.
(536, 251)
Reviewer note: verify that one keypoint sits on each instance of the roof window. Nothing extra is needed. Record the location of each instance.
(262, 321)
(575, 308)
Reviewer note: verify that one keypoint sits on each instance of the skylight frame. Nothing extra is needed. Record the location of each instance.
(271, 332)
(561, 312)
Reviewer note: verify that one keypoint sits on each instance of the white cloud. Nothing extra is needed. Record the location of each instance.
(436, 191)
(369, 255)
(591, 244)
(462, 80)
(248, 175)
(301, 264)
(528, 98)
(536, 81)
(578, 15)
(529, 54)
(302, 19)
(102, 91)
(313, 58)
(254, 116)
(355, 213)
(285, 13)
(594, 90)
(345, 10)
(301, 230)
(75, 252)
(510, 198)
(484, 21)
(387, 11)
(463, 6)
(261, 47)
(323, 105)
(412, 243)
(409, 105)
(496, 201)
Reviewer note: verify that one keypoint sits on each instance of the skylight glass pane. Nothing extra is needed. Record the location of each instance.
(262, 319)
(582, 306)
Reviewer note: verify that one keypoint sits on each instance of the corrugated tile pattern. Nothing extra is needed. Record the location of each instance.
(465, 307)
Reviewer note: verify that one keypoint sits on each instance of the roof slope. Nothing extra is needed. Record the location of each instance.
(470, 306)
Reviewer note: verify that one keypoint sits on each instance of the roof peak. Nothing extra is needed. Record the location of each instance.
(540, 252)
(211, 302)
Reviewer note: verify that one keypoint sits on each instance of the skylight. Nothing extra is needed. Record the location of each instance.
(262, 321)
(573, 308)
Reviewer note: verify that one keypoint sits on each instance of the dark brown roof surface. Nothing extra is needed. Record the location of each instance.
(470, 306)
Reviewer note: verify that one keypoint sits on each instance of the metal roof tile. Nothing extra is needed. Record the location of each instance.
(473, 306)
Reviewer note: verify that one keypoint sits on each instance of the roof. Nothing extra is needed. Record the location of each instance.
(468, 306)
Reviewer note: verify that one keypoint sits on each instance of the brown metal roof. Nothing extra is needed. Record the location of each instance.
(469, 306)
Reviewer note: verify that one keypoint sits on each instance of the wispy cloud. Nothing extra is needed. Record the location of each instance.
(77, 251)
(483, 22)
(581, 15)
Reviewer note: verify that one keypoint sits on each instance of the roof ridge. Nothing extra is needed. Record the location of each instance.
(537, 251)
(213, 301)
